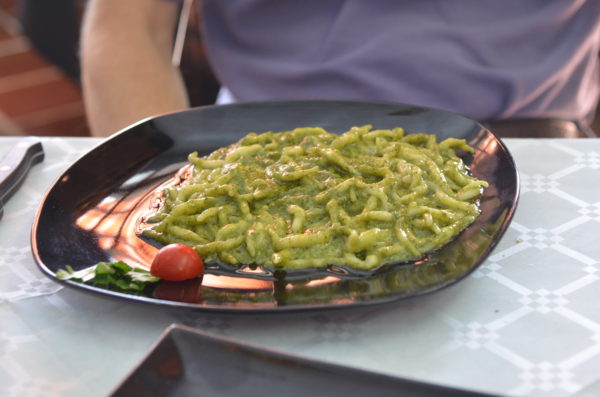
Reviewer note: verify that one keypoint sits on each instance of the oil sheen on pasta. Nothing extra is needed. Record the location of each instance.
(309, 198)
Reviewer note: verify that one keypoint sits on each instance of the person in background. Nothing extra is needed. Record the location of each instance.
(53, 28)
(524, 67)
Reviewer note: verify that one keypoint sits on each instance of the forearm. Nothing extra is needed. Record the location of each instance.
(126, 63)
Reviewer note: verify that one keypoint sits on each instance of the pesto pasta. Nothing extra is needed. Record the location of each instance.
(309, 198)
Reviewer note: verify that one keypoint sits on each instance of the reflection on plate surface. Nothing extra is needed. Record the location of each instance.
(92, 211)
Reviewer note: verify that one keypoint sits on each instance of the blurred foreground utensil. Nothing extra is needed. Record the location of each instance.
(15, 165)
(189, 362)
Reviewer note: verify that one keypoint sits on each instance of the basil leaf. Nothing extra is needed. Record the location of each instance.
(117, 276)
(80, 275)
(122, 266)
(142, 276)
(103, 268)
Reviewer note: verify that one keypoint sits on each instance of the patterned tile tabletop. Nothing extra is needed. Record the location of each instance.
(526, 323)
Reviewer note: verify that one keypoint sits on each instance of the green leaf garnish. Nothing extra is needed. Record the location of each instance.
(83, 275)
(116, 276)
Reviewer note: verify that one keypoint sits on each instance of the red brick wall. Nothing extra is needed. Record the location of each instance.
(36, 98)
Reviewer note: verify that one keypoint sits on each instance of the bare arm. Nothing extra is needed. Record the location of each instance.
(126, 63)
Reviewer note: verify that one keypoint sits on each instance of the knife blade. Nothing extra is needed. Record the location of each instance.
(15, 165)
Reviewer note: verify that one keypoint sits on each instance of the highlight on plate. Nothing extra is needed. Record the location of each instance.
(309, 198)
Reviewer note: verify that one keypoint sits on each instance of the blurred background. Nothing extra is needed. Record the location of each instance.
(39, 92)
(39, 70)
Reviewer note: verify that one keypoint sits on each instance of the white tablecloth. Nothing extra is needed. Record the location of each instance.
(526, 323)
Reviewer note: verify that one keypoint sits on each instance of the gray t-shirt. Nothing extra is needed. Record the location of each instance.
(486, 59)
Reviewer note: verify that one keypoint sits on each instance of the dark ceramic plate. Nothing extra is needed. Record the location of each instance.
(91, 212)
(189, 362)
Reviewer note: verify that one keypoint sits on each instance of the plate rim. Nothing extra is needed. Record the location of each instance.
(96, 291)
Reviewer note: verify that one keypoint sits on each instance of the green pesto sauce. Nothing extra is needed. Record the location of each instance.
(309, 198)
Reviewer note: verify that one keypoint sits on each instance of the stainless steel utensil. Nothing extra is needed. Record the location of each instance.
(15, 165)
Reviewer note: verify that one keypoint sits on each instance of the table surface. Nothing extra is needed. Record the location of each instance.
(526, 323)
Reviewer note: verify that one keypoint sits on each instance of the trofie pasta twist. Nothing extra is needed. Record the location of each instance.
(309, 198)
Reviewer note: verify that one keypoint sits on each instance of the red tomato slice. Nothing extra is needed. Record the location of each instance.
(177, 262)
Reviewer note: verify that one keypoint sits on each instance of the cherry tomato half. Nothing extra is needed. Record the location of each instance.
(177, 262)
